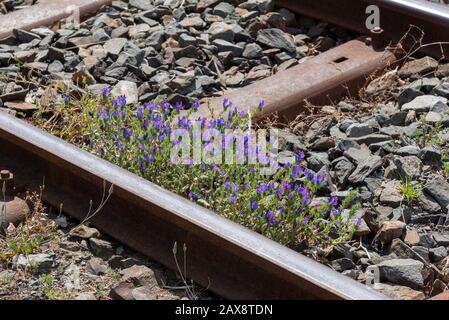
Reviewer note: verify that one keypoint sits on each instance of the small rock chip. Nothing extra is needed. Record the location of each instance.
(140, 276)
(101, 248)
(122, 291)
(391, 194)
(343, 264)
(276, 38)
(365, 168)
(144, 293)
(84, 232)
(399, 292)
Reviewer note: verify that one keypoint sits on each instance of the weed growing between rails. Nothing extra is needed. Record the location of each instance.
(285, 206)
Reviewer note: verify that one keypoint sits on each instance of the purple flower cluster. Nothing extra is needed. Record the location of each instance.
(143, 139)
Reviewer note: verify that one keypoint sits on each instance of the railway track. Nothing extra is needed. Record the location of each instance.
(150, 219)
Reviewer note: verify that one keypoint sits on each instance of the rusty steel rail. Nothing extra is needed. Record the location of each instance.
(320, 80)
(227, 258)
(396, 17)
(48, 12)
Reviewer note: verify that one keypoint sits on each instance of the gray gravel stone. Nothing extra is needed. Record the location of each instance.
(40, 263)
(407, 272)
(438, 188)
(418, 67)
(425, 103)
(442, 239)
(359, 130)
(365, 168)
(276, 38)
(128, 89)
(437, 254)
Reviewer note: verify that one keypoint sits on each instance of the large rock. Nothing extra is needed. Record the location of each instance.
(224, 46)
(101, 248)
(140, 276)
(122, 291)
(359, 130)
(252, 51)
(127, 89)
(84, 232)
(221, 30)
(409, 167)
(391, 195)
(389, 231)
(358, 155)
(343, 170)
(223, 9)
(437, 254)
(40, 263)
(276, 38)
(204, 4)
(425, 103)
(442, 239)
(407, 272)
(418, 67)
(114, 46)
(262, 6)
(365, 168)
(141, 4)
(438, 188)
(428, 203)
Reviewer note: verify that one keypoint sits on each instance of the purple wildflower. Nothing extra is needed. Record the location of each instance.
(227, 103)
(335, 212)
(228, 184)
(261, 104)
(119, 145)
(122, 101)
(179, 105)
(149, 157)
(271, 218)
(233, 199)
(139, 112)
(254, 205)
(262, 188)
(193, 196)
(279, 192)
(296, 170)
(299, 155)
(318, 179)
(333, 201)
(305, 221)
(105, 91)
(149, 106)
(196, 105)
(127, 132)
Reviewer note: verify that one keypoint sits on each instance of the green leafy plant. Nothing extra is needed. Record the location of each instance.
(410, 190)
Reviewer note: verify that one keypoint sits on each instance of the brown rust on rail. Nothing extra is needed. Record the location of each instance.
(47, 13)
(396, 17)
(320, 80)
